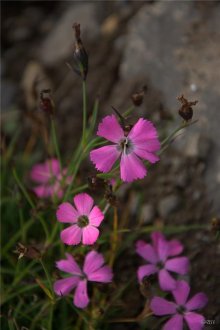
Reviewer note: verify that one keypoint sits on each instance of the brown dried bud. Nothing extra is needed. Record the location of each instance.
(137, 98)
(96, 183)
(80, 54)
(29, 252)
(46, 102)
(110, 196)
(186, 111)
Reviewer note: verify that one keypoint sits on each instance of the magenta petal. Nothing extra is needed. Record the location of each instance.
(83, 203)
(39, 174)
(142, 130)
(178, 265)
(175, 248)
(147, 252)
(90, 235)
(167, 282)
(67, 213)
(96, 216)
(152, 158)
(181, 292)
(42, 191)
(52, 166)
(104, 157)
(132, 168)
(65, 286)
(175, 323)
(71, 235)
(146, 270)
(69, 265)
(197, 302)
(155, 237)
(161, 306)
(195, 321)
(103, 275)
(93, 261)
(163, 249)
(110, 129)
(81, 298)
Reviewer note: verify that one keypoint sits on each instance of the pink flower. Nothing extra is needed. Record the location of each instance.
(50, 179)
(85, 219)
(93, 270)
(181, 310)
(159, 262)
(140, 143)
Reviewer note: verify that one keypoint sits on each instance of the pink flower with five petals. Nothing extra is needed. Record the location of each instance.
(84, 219)
(140, 143)
(93, 270)
(181, 310)
(159, 260)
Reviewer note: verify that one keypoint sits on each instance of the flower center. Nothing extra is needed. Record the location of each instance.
(181, 309)
(125, 145)
(83, 221)
(160, 265)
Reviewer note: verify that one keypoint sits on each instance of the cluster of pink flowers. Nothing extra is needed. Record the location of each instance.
(131, 147)
(50, 179)
(161, 260)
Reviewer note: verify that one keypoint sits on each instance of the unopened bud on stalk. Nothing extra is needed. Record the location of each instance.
(80, 54)
(46, 102)
(27, 251)
(186, 110)
(137, 98)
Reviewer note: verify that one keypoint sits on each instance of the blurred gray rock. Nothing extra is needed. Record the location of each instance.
(8, 92)
(147, 213)
(59, 42)
(180, 58)
(198, 146)
(167, 205)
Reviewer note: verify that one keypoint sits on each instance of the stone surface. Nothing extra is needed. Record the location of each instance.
(181, 58)
(59, 42)
(167, 205)
(147, 213)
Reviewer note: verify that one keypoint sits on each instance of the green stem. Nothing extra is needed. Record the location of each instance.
(84, 113)
(48, 277)
(55, 142)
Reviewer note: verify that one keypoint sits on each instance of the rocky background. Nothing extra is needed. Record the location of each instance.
(173, 48)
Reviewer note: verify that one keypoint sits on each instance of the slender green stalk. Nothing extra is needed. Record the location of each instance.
(48, 277)
(55, 141)
(84, 113)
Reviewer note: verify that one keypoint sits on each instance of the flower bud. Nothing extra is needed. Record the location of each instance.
(80, 54)
(186, 110)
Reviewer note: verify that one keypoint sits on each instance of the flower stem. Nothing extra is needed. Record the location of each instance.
(48, 278)
(115, 237)
(84, 113)
(55, 142)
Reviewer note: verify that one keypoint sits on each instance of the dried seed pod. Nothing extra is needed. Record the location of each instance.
(186, 110)
(96, 183)
(137, 98)
(215, 223)
(110, 196)
(29, 252)
(46, 102)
